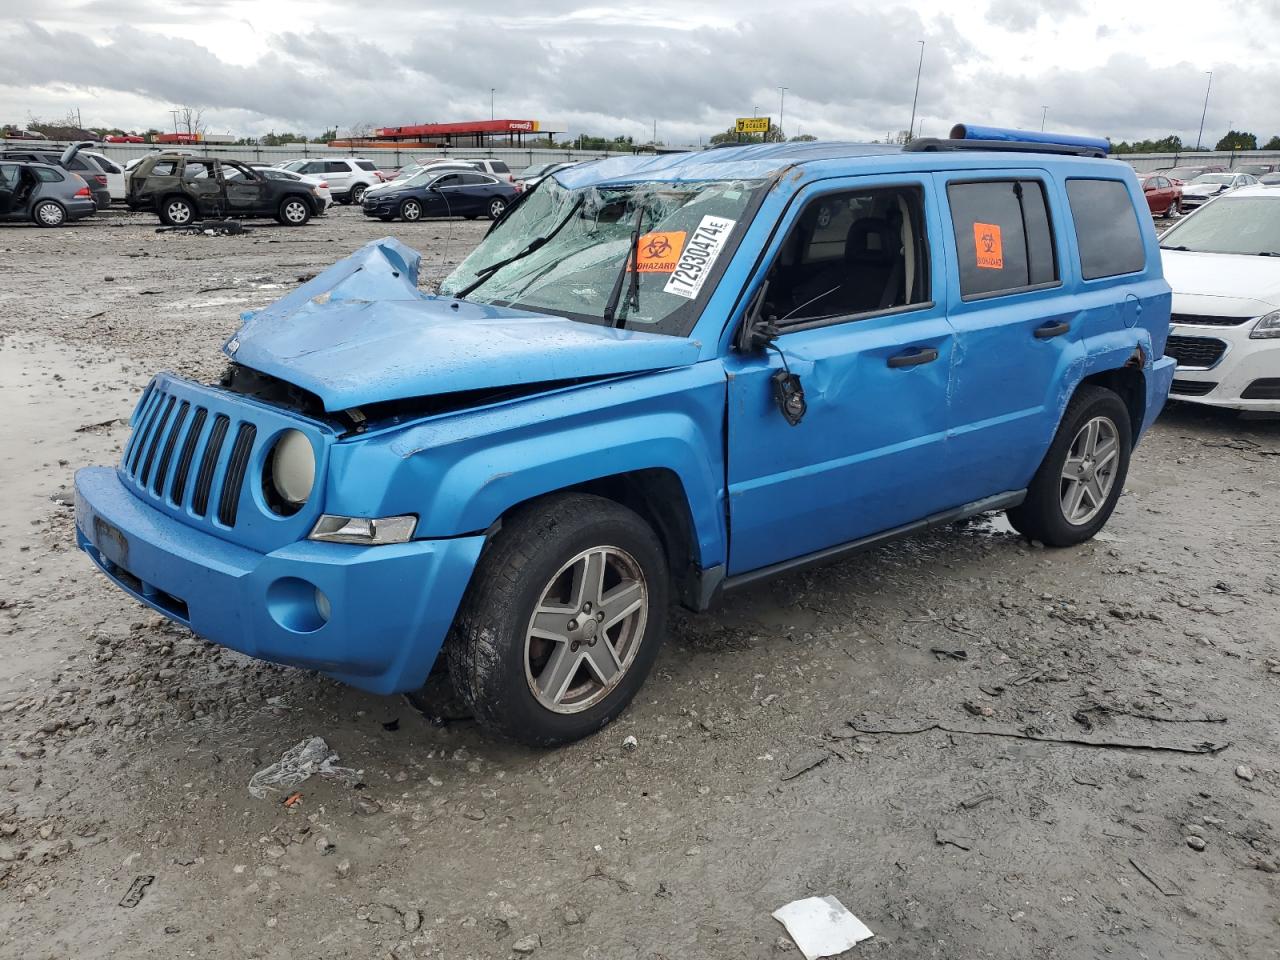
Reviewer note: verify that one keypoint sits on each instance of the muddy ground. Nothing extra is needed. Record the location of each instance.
(128, 744)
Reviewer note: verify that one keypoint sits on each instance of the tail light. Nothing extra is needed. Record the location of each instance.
(84, 191)
(101, 178)
(323, 184)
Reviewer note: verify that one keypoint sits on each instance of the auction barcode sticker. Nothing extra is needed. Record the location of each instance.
(699, 256)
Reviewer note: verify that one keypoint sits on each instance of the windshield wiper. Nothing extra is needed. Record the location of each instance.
(1163, 247)
(483, 276)
(632, 263)
(1267, 253)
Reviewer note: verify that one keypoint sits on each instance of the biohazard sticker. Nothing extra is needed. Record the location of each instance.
(659, 252)
(699, 256)
(987, 245)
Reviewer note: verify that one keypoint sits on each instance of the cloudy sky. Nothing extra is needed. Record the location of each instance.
(1114, 68)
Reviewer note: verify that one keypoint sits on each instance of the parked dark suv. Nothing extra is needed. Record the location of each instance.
(182, 190)
(68, 159)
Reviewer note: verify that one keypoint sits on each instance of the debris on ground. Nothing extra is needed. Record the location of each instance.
(209, 228)
(821, 926)
(804, 762)
(1162, 883)
(1244, 772)
(136, 890)
(903, 727)
(298, 763)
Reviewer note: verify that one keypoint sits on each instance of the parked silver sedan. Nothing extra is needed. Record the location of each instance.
(48, 196)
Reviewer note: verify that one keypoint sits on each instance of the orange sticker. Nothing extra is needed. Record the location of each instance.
(660, 252)
(986, 241)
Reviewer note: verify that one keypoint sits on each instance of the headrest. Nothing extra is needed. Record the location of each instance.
(872, 240)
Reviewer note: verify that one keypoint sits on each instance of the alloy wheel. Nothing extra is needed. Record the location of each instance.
(1090, 470)
(295, 211)
(586, 629)
(179, 212)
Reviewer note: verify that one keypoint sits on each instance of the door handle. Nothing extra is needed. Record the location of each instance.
(914, 357)
(1051, 330)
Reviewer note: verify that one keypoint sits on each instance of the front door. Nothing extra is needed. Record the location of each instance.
(856, 290)
(447, 198)
(245, 189)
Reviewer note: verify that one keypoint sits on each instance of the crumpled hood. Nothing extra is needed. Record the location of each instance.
(361, 332)
(1222, 284)
(1203, 189)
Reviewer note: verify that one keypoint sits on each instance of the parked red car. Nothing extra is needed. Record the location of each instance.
(1164, 196)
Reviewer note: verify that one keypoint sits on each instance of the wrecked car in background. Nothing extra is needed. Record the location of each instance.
(657, 379)
(183, 189)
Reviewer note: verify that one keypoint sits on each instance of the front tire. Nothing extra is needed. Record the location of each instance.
(293, 212)
(411, 211)
(562, 621)
(1075, 491)
(48, 213)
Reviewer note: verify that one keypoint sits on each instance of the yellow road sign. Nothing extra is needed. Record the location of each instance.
(753, 125)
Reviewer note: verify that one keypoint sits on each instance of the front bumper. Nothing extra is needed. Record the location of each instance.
(390, 606)
(379, 207)
(1244, 362)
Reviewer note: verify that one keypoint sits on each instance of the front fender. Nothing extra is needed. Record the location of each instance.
(461, 472)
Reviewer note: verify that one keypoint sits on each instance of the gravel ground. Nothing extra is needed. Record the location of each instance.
(762, 771)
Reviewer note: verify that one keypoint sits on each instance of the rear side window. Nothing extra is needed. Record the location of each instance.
(336, 166)
(365, 165)
(164, 168)
(1107, 230)
(497, 166)
(1003, 237)
(48, 174)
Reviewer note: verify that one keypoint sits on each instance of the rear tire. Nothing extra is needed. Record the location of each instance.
(1174, 211)
(497, 207)
(1075, 491)
(357, 193)
(48, 213)
(572, 589)
(177, 212)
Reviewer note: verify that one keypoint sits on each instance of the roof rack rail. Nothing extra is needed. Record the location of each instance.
(968, 137)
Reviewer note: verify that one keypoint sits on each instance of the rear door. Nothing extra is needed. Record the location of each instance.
(338, 175)
(201, 182)
(1017, 335)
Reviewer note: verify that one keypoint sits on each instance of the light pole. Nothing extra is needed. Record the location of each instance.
(1205, 111)
(491, 89)
(1044, 113)
(916, 97)
(782, 100)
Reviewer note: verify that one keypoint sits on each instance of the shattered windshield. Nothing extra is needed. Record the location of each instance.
(570, 252)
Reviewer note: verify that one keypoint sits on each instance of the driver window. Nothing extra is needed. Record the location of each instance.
(851, 253)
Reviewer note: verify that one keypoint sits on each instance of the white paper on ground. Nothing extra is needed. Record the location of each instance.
(821, 926)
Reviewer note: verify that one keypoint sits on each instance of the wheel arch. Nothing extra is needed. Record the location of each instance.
(1129, 382)
(308, 199)
(35, 205)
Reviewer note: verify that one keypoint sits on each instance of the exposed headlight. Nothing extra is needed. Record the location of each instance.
(293, 467)
(1267, 327)
(369, 532)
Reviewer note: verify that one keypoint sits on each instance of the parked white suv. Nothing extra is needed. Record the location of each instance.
(114, 173)
(1223, 264)
(348, 177)
(496, 167)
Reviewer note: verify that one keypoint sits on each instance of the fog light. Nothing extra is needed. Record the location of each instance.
(322, 605)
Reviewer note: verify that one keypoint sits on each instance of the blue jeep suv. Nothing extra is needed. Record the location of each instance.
(656, 380)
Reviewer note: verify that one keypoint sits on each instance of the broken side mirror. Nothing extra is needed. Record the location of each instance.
(758, 331)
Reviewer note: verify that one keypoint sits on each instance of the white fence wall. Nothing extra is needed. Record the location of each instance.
(1142, 162)
(386, 158)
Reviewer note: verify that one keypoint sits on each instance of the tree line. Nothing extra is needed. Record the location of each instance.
(1234, 140)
